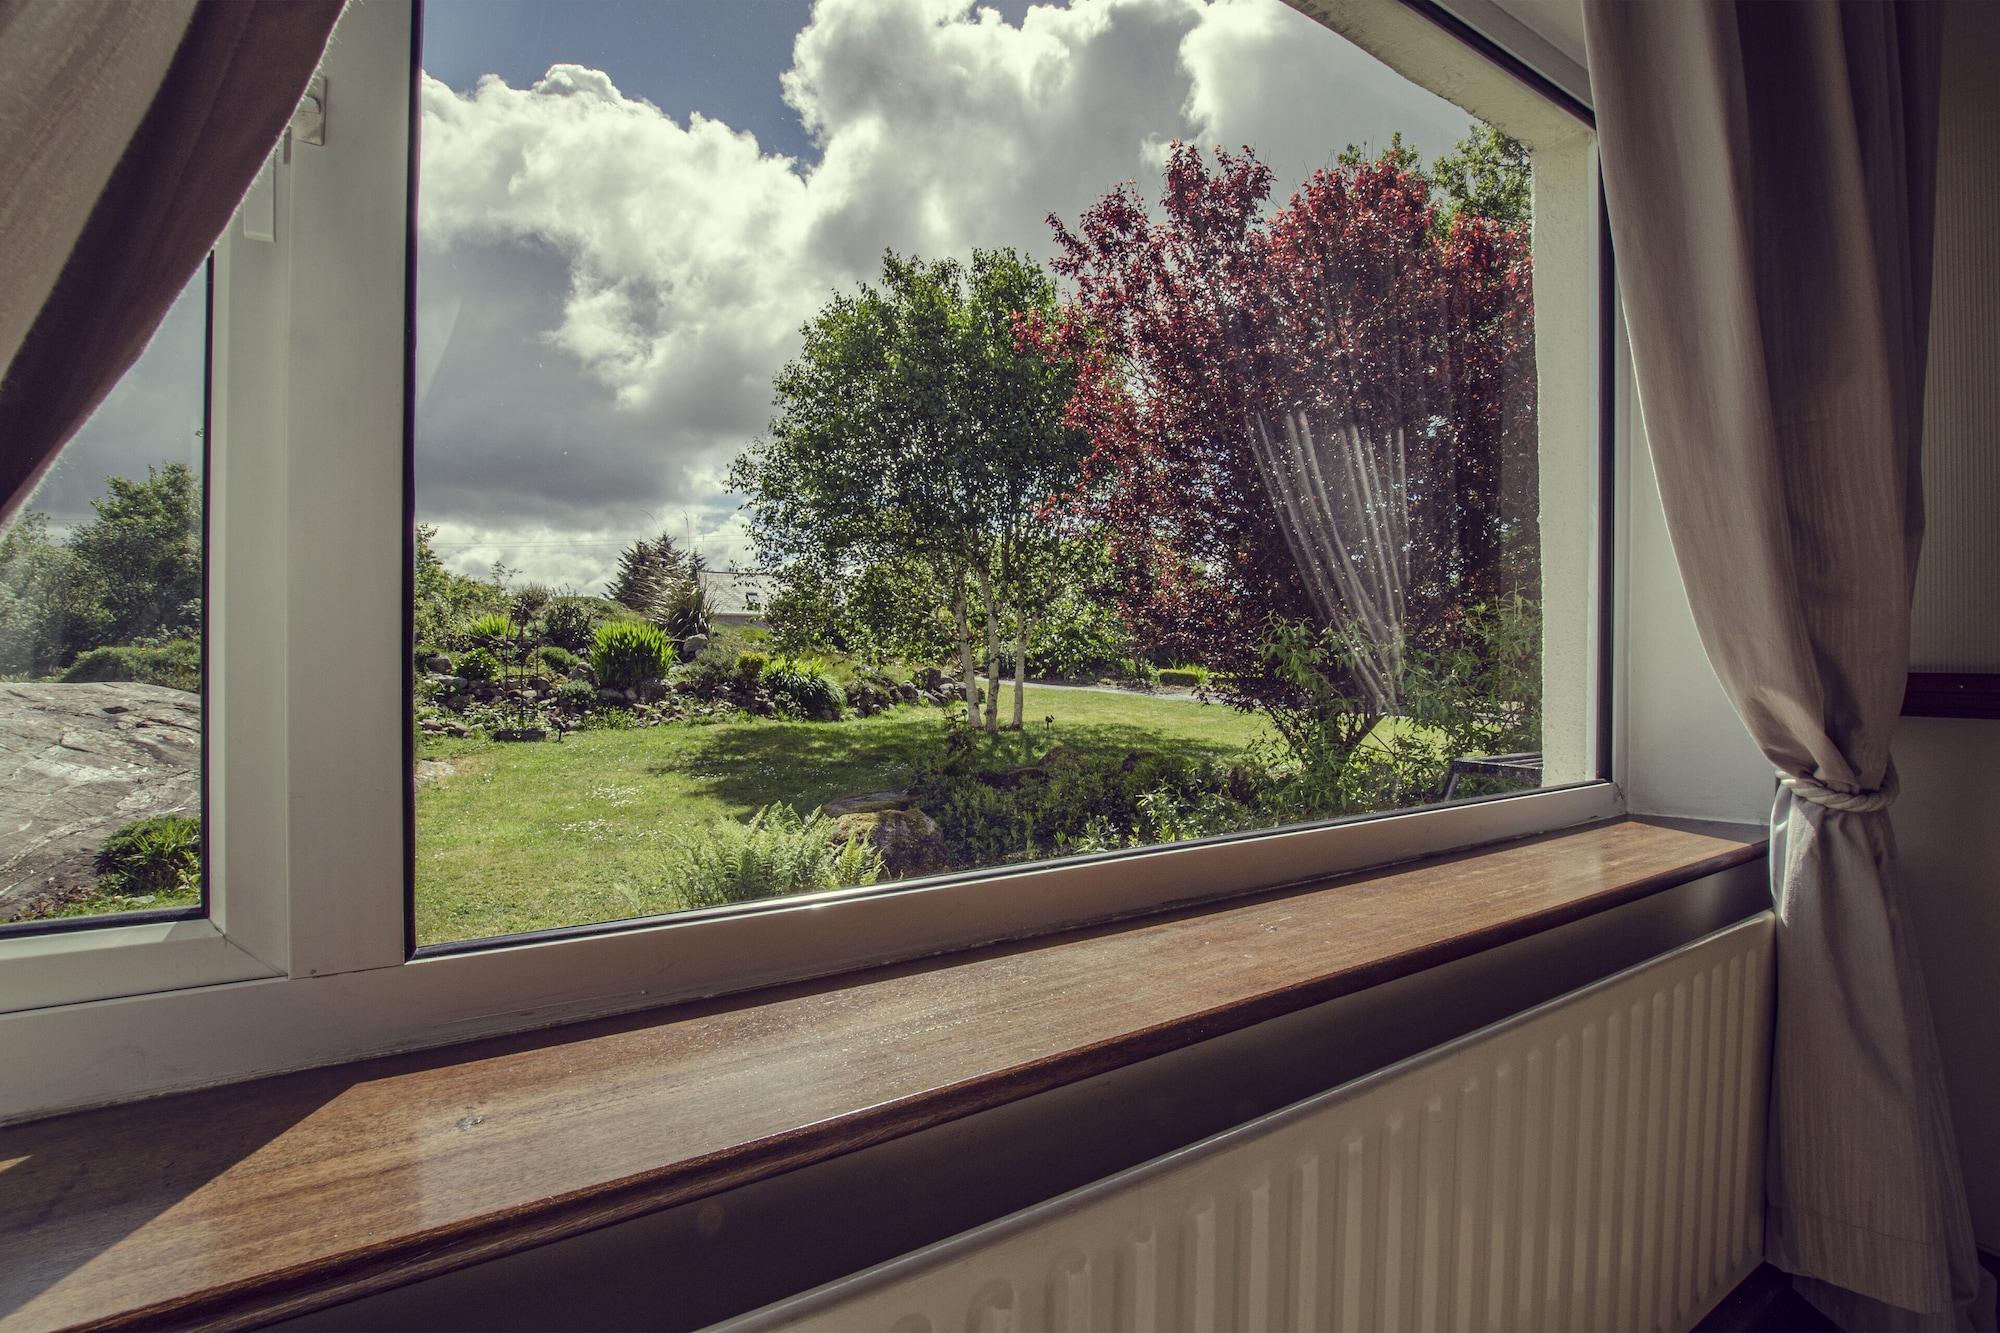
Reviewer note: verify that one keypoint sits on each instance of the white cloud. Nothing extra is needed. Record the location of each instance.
(606, 292)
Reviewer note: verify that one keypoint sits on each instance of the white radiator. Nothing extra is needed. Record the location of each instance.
(1592, 1164)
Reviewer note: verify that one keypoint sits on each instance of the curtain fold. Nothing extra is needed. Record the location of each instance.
(129, 130)
(1768, 170)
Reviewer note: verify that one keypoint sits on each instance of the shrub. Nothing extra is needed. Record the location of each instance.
(577, 696)
(568, 624)
(490, 629)
(176, 664)
(750, 666)
(1184, 677)
(558, 661)
(775, 854)
(479, 664)
(530, 599)
(420, 656)
(802, 688)
(629, 651)
(161, 855)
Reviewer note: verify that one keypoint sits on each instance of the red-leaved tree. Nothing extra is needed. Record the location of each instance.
(1317, 415)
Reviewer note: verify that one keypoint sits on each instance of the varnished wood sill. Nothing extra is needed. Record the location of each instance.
(238, 1205)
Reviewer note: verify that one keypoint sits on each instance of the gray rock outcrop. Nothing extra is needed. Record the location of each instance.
(77, 762)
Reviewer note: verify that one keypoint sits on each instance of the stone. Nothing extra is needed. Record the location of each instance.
(909, 840)
(611, 696)
(868, 803)
(692, 645)
(440, 664)
(78, 762)
(582, 672)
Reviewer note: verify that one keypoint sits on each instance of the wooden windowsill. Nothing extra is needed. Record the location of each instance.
(238, 1205)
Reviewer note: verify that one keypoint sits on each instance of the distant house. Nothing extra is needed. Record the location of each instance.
(738, 596)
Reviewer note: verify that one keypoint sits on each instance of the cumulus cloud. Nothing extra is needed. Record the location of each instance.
(605, 292)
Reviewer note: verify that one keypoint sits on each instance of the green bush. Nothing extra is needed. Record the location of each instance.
(490, 629)
(479, 664)
(577, 696)
(176, 664)
(556, 661)
(568, 624)
(420, 656)
(801, 687)
(1185, 677)
(629, 651)
(750, 666)
(151, 857)
(775, 854)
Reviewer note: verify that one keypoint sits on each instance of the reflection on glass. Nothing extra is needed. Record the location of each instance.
(100, 651)
(880, 441)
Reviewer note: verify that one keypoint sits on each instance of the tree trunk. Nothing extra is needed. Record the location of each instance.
(1020, 666)
(966, 669)
(992, 651)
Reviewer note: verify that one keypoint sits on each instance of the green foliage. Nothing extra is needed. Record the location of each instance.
(1184, 677)
(750, 666)
(479, 664)
(776, 853)
(905, 488)
(627, 652)
(421, 654)
(133, 575)
(1069, 802)
(556, 661)
(1486, 174)
(445, 603)
(1077, 634)
(568, 624)
(577, 696)
(530, 600)
(176, 665)
(651, 574)
(685, 611)
(489, 630)
(802, 687)
(152, 857)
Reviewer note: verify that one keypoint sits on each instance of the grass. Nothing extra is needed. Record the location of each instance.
(524, 836)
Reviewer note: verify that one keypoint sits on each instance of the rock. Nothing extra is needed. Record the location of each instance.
(930, 678)
(868, 803)
(652, 689)
(908, 840)
(692, 645)
(77, 762)
(907, 692)
(582, 671)
(440, 664)
(611, 696)
(449, 684)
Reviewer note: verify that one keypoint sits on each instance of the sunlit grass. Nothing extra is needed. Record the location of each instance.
(525, 836)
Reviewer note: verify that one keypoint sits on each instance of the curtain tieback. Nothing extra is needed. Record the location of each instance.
(1852, 802)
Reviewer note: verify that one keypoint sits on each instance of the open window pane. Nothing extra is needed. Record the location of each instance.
(101, 594)
(878, 440)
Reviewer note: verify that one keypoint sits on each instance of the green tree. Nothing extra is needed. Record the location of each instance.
(1486, 174)
(143, 552)
(40, 594)
(915, 434)
(446, 603)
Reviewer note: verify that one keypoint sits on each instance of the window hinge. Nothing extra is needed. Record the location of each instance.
(309, 121)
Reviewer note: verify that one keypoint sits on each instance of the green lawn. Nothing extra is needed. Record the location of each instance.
(522, 836)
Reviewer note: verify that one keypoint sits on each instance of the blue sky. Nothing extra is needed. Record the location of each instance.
(621, 232)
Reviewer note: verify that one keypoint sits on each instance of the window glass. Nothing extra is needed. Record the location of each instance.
(879, 439)
(101, 591)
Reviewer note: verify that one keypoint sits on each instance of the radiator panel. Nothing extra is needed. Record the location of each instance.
(1594, 1163)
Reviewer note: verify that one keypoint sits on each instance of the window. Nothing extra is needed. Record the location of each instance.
(1134, 454)
(603, 337)
(101, 595)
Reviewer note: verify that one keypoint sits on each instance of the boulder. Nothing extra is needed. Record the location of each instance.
(440, 664)
(868, 803)
(908, 840)
(76, 763)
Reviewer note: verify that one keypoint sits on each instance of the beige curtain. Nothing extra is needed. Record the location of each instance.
(1768, 170)
(129, 130)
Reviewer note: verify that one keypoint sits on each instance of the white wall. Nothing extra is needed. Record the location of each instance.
(1948, 820)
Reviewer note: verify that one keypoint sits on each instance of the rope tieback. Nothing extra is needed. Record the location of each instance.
(1851, 802)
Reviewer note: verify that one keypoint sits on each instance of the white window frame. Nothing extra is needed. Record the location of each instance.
(305, 957)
